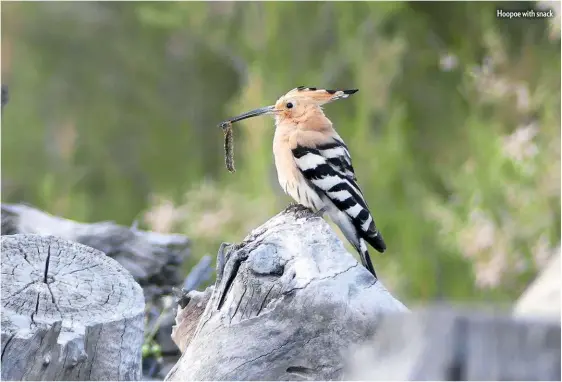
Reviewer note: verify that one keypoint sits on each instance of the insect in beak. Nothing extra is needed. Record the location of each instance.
(226, 126)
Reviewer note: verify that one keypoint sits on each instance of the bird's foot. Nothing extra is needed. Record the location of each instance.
(320, 213)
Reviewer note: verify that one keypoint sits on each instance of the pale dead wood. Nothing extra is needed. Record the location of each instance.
(188, 315)
(287, 303)
(68, 312)
(447, 344)
(152, 258)
(542, 297)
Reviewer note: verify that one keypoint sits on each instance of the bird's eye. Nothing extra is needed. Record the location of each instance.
(289, 105)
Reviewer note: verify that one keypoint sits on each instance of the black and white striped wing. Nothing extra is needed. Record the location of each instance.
(337, 154)
(328, 168)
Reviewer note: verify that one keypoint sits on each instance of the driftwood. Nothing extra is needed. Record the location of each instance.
(68, 313)
(441, 343)
(287, 303)
(152, 258)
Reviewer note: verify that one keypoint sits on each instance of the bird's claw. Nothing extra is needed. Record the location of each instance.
(320, 213)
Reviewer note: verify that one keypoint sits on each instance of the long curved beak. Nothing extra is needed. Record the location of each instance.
(250, 114)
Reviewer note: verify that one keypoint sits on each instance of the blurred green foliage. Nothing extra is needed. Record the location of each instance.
(455, 133)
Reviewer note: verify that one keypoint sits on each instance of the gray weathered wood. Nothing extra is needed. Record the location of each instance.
(188, 315)
(542, 297)
(442, 343)
(287, 303)
(68, 313)
(152, 258)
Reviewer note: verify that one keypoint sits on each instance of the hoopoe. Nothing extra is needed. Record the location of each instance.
(314, 165)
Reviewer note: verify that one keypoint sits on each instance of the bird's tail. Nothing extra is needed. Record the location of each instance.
(376, 241)
(365, 257)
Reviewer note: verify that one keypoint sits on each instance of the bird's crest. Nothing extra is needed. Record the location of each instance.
(318, 96)
(284, 107)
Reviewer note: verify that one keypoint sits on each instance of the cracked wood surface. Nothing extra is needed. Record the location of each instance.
(68, 312)
(152, 258)
(288, 301)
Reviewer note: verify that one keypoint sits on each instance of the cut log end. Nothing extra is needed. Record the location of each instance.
(152, 258)
(66, 308)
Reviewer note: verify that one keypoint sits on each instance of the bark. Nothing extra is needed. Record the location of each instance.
(68, 313)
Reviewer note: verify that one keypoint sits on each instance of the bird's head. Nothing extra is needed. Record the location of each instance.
(297, 103)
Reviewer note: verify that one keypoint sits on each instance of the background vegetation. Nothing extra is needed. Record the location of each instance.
(455, 133)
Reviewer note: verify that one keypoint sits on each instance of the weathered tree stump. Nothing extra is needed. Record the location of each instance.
(152, 258)
(446, 344)
(287, 303)
(68, 313)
